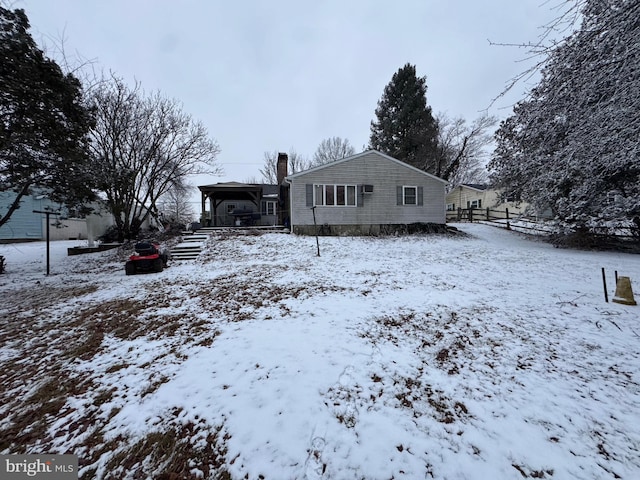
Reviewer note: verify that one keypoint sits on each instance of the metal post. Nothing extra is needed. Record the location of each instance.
(604, 284)
(47, 213)
(313, 209)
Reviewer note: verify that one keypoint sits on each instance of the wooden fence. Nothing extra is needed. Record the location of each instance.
(618, 237)
(476, 214)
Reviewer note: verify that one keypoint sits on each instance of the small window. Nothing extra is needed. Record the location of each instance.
(451, 207)
(410, 195)
(268, 207)
(230, 208)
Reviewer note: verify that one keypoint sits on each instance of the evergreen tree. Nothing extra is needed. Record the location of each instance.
(43, 121)
(404, 127)
(572, 145)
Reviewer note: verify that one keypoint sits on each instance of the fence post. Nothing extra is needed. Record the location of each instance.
(459, 213)
(471, 214)
(604, 284)
(487, 214)
(506, 210)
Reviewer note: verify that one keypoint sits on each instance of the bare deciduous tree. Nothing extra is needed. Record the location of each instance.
(143, 146)
(463, 148)
(332, 149)
(175, 205)
(296, 163)
(553, 34)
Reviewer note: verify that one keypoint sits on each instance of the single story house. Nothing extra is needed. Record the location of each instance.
(364, 194)
(64, 224)
(468, 195)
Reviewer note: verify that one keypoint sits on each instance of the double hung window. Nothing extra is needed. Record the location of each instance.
(330, 195)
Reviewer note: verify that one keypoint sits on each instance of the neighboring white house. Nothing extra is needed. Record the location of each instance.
(366, 193)
(468, 195)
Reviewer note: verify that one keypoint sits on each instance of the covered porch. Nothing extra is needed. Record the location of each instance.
(243, 197)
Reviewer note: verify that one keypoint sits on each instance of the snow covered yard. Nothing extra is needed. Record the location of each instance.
(488, 356)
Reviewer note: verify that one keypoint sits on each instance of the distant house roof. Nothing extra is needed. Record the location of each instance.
(476, 186)
(352, 157)
(220, 192)
(269, 190)
(266, 187)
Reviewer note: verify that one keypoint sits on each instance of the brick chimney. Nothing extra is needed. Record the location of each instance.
(281, 167)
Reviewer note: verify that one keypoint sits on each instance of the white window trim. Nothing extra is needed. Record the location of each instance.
(404, 194)
(273, 203)
(335, 194)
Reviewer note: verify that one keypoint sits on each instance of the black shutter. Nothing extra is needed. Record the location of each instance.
(399, 195)
(309, 187)
(420, 196)
(359, 195)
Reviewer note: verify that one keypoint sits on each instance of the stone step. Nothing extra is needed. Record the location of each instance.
(184, 256)
(195, 238)
(190, 247)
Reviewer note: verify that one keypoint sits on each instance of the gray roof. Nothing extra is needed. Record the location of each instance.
(357, 155)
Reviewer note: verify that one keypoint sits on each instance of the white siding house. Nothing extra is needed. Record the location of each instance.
(479, 196)
(367, 193)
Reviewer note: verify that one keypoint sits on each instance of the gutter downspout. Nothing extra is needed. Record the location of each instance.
(287, 180)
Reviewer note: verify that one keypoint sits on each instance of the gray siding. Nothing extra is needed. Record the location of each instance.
(26, 225)
(23, 224)
(377, 208)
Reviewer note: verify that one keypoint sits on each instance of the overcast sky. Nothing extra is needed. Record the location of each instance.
(275, 75)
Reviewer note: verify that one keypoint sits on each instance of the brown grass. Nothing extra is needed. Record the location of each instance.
(173, 451)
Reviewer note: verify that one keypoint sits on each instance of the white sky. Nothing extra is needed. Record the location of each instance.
(275, 75)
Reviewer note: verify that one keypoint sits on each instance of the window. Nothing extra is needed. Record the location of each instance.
(268, 207)
(230, 208)
(334, 195)
(410, 195)
(451, 207)
(340, 197)
(351, 194)
(329, 194)
(474, 204)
